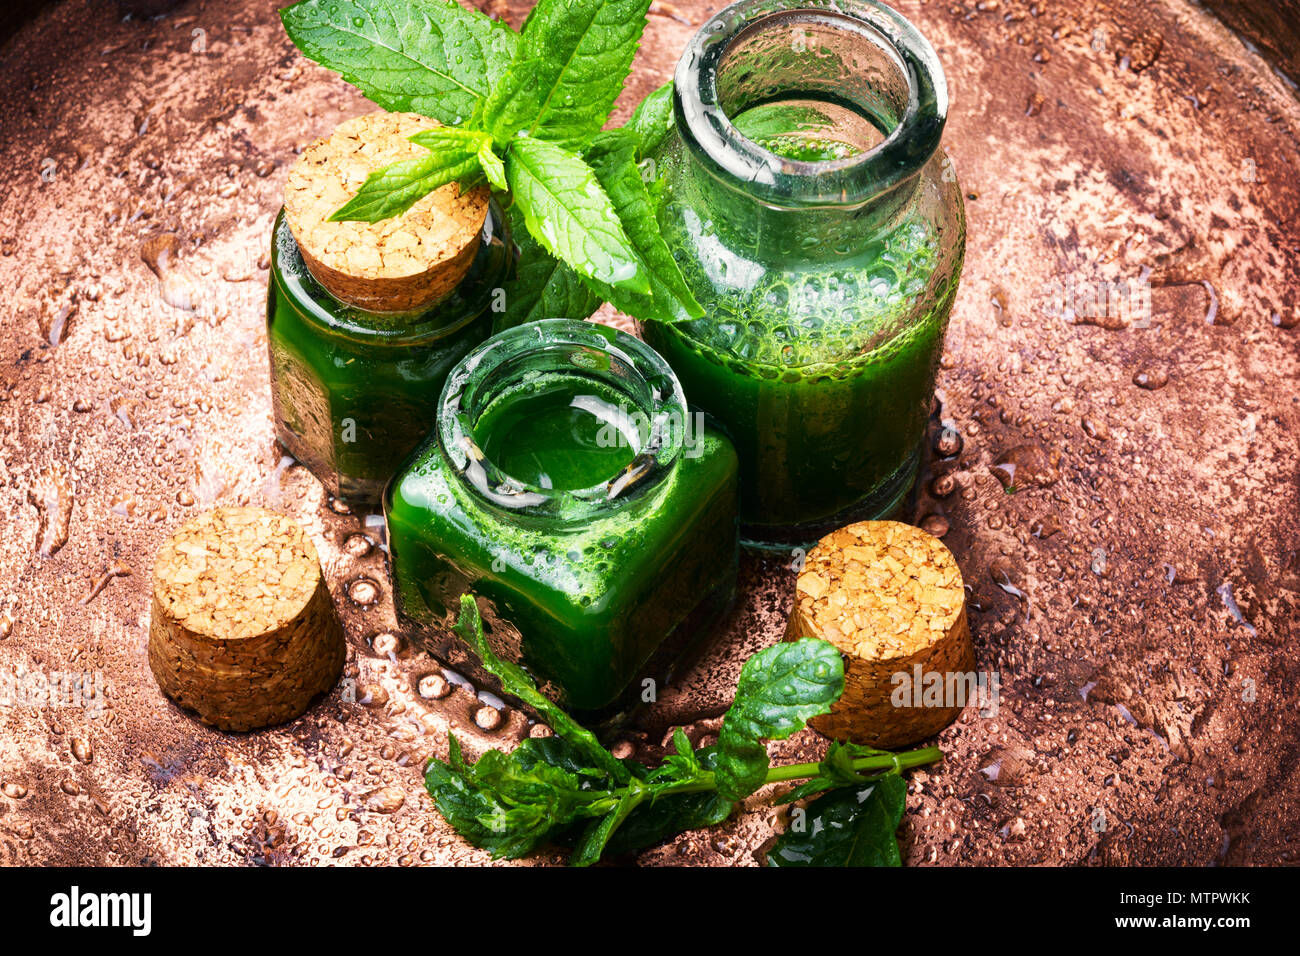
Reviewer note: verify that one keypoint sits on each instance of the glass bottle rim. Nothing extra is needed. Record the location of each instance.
(849, 181)
(595, 350)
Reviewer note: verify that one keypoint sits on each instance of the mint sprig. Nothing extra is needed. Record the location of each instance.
(568, 789)
(523, 111)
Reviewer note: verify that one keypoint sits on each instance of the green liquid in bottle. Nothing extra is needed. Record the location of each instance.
(561, 432)
(822, 330)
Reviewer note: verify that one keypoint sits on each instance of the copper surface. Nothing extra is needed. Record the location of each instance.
(1136, 586)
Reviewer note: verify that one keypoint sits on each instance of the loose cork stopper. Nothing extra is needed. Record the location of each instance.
(399, 264)
(243, 631)
(890, 597)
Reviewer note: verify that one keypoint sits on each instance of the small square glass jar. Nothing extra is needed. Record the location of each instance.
(355, 391)
(568, 487)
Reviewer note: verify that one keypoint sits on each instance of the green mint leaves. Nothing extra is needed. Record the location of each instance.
(523, 111)
(779, 689)
(431, 57)
(575, 55)
(567, 789)
(851, 826)
(515, 680)
(569, 213)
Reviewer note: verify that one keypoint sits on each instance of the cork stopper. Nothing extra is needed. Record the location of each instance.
(243, 631)
(399, 264)
(890, 597)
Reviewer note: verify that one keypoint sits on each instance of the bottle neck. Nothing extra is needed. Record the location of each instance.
(802, 233)
(528, 419)
(805, 124)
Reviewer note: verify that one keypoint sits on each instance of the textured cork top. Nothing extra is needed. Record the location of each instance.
(880, 590)
(236, 573)
(399, 257)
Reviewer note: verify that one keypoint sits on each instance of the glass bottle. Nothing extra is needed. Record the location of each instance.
(355, 391)
(569, 488)
(817, 220)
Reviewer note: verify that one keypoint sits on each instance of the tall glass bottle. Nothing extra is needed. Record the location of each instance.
(817, 220)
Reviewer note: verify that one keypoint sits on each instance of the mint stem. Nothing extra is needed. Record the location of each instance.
(705, 781)
(898, 762)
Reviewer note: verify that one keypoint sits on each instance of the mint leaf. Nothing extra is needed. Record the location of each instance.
(652, 120)
(515, 680)
(835, 770)
(513, 101)
(542, 287)
(613, 158)
(547, 789)
(568, 212)
(493, 168)
(507, 803)
(852, 826)
(780, 687)
(669, 814)
(592, 842)
(453, 155)
(424, 56)
(580, 53)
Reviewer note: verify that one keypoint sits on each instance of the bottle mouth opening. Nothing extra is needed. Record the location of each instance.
(877, 80)
(608, 377)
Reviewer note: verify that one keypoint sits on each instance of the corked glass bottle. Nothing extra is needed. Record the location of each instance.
(365, 320)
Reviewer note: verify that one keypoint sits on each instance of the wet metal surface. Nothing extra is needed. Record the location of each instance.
(1123, 504)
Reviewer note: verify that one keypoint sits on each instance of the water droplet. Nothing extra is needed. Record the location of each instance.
(943, 485)
(1224, 591)
(935, 524)
(177, 288)
(56, 320)
(52, 497)
(358, 545)
(434, 687)
(1045, 527)
(1151, 378)
(487, 718)
(1096, 429)
(384, 800)
(387, 644)
(948, 443)
(623, 750)
(363, 592)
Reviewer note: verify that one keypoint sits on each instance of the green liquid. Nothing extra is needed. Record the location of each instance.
(560, 432)
(807, 150)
